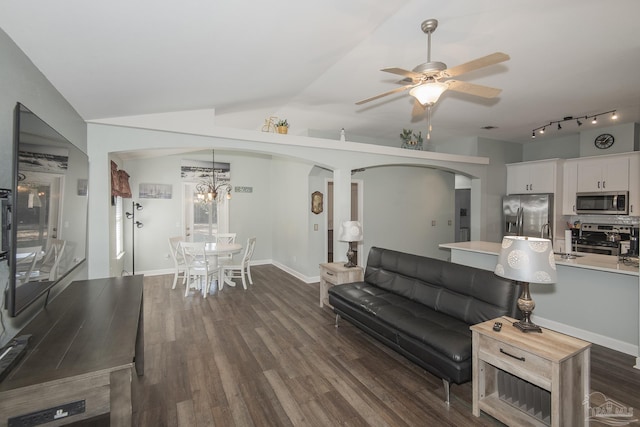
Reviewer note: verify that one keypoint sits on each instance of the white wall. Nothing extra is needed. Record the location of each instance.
(408, 209)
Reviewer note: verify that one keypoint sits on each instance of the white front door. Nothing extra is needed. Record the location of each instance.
(203, 219)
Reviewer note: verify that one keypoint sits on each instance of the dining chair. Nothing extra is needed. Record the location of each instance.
(26, 263)
(225, 238)
(197, 266)
(243, 269)
(179, 264)
(48, 268)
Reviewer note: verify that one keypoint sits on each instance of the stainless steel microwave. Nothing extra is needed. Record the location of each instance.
(606, 203)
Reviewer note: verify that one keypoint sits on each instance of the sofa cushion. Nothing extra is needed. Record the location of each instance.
(445, 334)
(466, 293)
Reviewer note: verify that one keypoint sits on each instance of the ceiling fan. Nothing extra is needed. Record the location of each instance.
(428, 80)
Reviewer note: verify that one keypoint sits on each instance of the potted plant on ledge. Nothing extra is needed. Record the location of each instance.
(410, 140)
(282, 126)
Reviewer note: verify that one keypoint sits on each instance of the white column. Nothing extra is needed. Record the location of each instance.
(341, 210)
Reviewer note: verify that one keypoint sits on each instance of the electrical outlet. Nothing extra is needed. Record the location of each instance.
(315, 227)
(449, 222)
(433, 222)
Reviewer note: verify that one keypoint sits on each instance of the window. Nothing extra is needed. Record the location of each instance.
(203, 219)
(119, 228)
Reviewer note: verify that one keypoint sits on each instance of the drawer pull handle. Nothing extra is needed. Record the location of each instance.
(329, 273)
(511, 355)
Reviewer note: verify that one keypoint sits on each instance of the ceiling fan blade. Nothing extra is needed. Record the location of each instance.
(473, 89)
(485, 61)
(391, 92)
(402, 72)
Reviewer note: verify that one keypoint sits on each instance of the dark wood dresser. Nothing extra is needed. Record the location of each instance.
(80, 359)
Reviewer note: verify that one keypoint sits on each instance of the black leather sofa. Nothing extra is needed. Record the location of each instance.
(423, 307)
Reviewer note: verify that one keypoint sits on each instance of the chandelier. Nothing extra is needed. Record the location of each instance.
(208, 190)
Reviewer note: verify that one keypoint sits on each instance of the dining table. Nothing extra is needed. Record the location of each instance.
(217, 249)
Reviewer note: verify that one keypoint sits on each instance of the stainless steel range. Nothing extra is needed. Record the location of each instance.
(603, 238)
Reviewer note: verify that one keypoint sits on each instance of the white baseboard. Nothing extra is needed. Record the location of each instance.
(602, 340)
(296, 274)
(163, 271)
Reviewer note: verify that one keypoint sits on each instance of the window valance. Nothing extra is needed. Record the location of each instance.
(119, 182)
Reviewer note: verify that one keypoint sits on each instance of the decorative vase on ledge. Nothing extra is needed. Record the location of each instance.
(282, 126)
(410, 140)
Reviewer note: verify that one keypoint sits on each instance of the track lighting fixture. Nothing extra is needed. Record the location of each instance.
(594, 120)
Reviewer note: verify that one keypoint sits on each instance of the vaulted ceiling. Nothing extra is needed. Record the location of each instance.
(311, 61)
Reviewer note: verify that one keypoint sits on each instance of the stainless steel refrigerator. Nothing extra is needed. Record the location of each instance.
(528, 215)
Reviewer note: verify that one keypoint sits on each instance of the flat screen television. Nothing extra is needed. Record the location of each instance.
(48, 204)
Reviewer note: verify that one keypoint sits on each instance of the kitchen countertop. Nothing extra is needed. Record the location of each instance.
(587, 260)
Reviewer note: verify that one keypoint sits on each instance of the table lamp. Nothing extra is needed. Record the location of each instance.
(350, 231)
(526, 260)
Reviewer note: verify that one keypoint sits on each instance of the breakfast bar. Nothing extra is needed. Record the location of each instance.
(596, 298)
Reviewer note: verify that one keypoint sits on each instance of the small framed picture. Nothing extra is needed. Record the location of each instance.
(155, 191)
(83, 186)
(316, 202)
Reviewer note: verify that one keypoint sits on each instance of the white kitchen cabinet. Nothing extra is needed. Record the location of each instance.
(532, 177)
(569, 186)
(634, 184)
(598, 174)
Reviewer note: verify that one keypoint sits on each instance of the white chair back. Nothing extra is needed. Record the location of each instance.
(197, 265)
(225, 238)
(243, 269)
(48, 268)
(26, 262)
(178, 260)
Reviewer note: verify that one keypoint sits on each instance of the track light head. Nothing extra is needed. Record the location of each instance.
(578, 122)
(595, 120)
(559, 127)
(614, 116)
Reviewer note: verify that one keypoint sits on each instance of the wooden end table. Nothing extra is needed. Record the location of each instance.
(536, 379)
(335, 273)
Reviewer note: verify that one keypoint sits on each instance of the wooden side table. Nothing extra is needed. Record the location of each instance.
(536, 379)
(335, 273)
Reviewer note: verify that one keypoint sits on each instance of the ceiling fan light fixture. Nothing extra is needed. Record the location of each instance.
(428, 93)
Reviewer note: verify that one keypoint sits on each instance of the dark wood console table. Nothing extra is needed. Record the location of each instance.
(83, 349)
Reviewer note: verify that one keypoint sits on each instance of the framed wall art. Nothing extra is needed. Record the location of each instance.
(316, 202)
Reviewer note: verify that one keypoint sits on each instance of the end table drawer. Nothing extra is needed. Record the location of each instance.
(330, 276)
(522, 363)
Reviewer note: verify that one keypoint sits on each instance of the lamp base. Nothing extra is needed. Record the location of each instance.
(527, 327)
(350, 257)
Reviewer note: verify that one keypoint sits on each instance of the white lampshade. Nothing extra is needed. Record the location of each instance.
(350, 231)
(526, 259)
(428, 93)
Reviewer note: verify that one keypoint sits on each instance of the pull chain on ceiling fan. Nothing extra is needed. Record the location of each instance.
(427, 79)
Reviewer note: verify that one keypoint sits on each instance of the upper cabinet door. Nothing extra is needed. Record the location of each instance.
(531, 178)
(569, 187)
(603, 174)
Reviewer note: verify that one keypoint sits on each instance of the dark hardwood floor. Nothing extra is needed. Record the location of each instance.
(270, 356)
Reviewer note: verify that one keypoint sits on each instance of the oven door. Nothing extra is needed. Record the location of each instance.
(610, 203)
